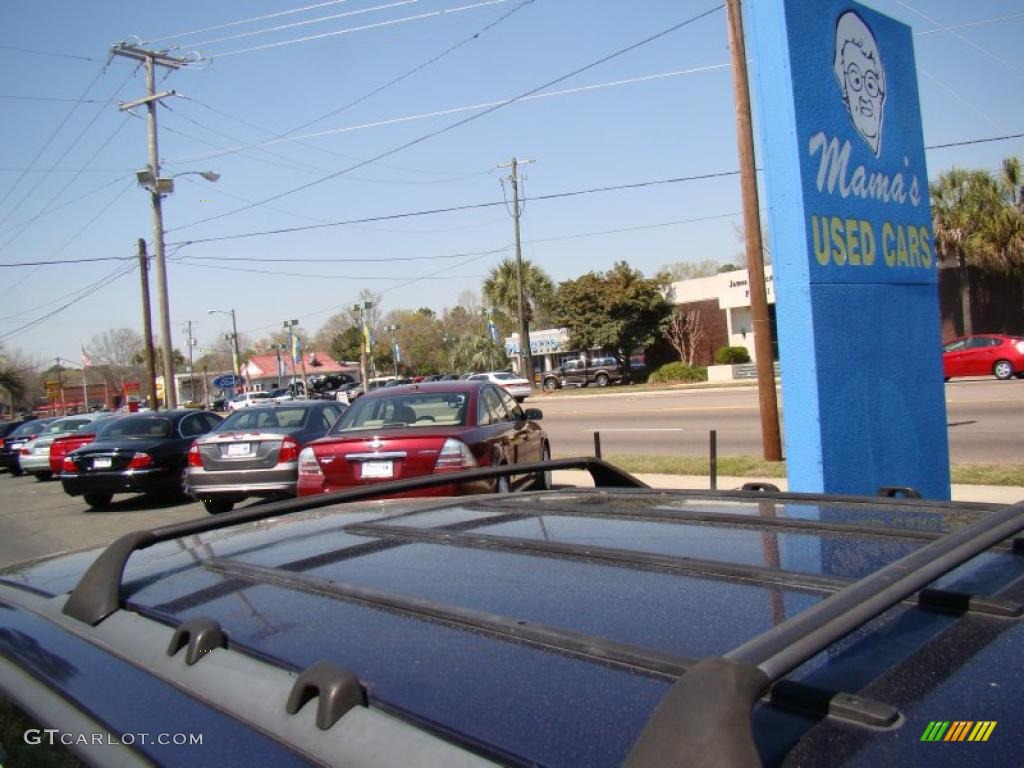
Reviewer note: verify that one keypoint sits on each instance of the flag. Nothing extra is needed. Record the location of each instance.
(296, 349)
(492, 331)
(367, 341)
(395, 351)
(86, 360)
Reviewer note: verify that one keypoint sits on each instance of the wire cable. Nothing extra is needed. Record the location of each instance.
(464, 121)
(254, 19)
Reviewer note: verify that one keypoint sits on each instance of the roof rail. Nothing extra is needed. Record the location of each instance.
(705, 718)
(98, 592)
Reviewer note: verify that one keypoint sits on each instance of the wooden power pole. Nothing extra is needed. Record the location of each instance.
(769, 406)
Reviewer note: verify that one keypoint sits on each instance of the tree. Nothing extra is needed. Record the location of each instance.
(617, 310)
(977, 220)
(684, 332)
(478, 353)
(690, 270)
(501, 289)
(117, 348)
(12, 380)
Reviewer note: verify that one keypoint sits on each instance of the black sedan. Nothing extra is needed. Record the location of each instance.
(140, 453)
(11, 443)
(255, 452)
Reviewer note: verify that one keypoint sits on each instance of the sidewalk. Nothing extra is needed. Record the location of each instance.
(992, 494)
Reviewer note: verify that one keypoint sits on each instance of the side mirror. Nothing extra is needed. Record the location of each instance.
(533, 414)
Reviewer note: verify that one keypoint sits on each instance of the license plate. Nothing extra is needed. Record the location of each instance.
(377, 469)
(239, 449)
(101, 463)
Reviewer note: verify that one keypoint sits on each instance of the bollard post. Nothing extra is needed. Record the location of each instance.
(597, 445)
(713, 458)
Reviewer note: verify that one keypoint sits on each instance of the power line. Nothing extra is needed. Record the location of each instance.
(464, 121)
(246, 21)
(50, 53)
(975, 141)
(50, 98)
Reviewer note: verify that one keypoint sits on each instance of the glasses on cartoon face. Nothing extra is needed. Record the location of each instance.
(868, 81)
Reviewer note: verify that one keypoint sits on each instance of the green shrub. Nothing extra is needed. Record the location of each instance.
(732, 355)
(673, 373)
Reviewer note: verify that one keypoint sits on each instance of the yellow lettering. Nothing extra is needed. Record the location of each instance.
(820, 240)
(839, 252)
(852, 244)
(888, 236)
(926, 251)
(867, 242)
(901, 247)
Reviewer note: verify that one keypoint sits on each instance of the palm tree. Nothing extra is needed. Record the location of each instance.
(501, 289)
(478, 353)
(974, 227)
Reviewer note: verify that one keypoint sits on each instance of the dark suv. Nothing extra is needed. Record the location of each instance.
(581, 372)
(605, 626)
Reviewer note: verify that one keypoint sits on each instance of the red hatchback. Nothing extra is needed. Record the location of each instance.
(420, 429)
(984, 355)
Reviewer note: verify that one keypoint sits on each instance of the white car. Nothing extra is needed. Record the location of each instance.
(34, 457)
(516, 386)
(246, 399)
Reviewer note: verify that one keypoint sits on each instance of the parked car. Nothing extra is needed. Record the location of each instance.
(34, 457)
(10, 446)
(62, 446)
(516, 386)
(421, 429)
(581, 372)
(6, 427)
(281, 395)
(984, 355)
(600, 627)
(255, 451)
(137, 453)
(326, 385)
(246, 399)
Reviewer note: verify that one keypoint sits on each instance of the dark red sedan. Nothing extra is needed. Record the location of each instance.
(420, 429)
(987, 354)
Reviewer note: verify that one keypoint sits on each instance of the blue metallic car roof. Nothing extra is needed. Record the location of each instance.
(546, 628)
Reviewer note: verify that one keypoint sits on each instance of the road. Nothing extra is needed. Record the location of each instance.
(985, 417)
(986, 423)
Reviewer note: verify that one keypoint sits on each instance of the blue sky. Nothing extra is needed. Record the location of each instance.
(289, 117)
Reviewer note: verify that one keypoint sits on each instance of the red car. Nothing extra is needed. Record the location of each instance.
(982, 355)
(420, 429)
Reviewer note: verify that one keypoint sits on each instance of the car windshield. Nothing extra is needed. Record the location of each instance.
(445, 409)
(264, 418)
(137, 426)
(504, 376)
(29, 428)
(63, 425)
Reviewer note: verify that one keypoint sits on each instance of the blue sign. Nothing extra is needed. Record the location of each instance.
(853, 251)
(226, 381)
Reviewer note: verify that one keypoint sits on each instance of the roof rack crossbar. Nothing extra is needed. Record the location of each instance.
(684, 516)
(929, 599)
(663, 665)
(98, 593)
(794, 641)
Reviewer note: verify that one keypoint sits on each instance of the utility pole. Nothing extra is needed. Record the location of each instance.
(60, 386)
(768, 402)
(151, 59)
(147, 324)
(525, 354)
(191, 375)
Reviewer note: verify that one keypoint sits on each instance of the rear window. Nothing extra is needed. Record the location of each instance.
(264, 418)
(445, 409)
(137, 426)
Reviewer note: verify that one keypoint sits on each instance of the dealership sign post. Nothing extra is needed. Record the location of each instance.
(852, 248)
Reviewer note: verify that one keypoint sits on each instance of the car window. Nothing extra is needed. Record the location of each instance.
(194, 424)
(955, 346)
(291, 417)
(329, 414)
(489, 407)
(979, 342)
(138, 426)
(427, 410)
(511, 406)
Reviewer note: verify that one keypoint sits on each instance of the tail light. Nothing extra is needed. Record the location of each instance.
(308, 465)
(194, 459)
(1, 443)
(140, 461)
(1019, 345)
(25, 451)
(289, 451)
(68, 465)
(455, 454)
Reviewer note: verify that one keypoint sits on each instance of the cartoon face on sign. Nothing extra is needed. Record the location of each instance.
(858, 68)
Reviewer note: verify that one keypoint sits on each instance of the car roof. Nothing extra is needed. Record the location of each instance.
(551, 628)
(455, 386)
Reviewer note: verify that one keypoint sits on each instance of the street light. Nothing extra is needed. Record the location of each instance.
(158, 187)
(289, 326)
(234, 342)
(394, 345)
